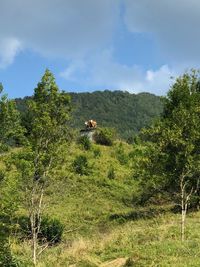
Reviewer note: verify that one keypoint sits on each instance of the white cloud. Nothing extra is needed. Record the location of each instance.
(80, 32)
(160, 80)
(70, 73)
(68, 29)
(9, 48)
(174, 24)
(110, 74)
(104, 71)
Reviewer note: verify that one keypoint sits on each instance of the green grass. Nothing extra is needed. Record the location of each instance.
(102, 224)
(147, 242)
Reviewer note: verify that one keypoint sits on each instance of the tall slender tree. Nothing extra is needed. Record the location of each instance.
(50, 110)
(174, 164)
(50, 113)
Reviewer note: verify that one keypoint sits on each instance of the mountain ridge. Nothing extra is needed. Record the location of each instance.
(124, 111)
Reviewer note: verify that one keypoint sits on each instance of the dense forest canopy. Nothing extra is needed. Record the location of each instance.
(125, 112)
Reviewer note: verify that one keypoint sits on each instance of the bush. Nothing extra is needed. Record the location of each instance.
(85, 142)
(97, 152)
(121, 155)
(6, 258)
(130, 140)
(80, 165)
(51, 229)
(4, 148)
(104, 136)
(129, 263)
(2, 174)
(111, 173)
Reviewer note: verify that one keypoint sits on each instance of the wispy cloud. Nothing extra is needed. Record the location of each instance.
(9, 48)
(81, 33)
(105, 71)
(69, 29)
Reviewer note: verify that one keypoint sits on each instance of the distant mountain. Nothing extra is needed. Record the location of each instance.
(126, 112)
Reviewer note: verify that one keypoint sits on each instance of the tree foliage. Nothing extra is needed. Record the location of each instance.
(172, 160)
(11, 134)
(105, 136)
(80, 165)
(125, 112)
(11, 131)
(49, 109)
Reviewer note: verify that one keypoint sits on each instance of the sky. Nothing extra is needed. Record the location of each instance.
(130, 45)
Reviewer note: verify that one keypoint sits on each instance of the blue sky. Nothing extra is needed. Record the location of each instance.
(132, 45)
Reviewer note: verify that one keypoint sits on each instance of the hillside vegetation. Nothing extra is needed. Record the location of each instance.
(69, 201)
(102, 223)
(125, 112)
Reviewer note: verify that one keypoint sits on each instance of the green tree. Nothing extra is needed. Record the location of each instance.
(7, 209)
(105, 136)
(49, 109)
(125, 112)
(172, 164)
(80, 165)
(11, 131)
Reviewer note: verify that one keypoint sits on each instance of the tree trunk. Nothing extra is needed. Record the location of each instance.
(184, 201)
(183, 216)
(35, 218)
(34, 249)
(34, 237)
(185, 198)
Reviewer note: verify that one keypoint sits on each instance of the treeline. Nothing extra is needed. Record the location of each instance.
(127, 113)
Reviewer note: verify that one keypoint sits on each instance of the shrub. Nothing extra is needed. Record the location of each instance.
(2, 174)
(121, 155)
(80, 165)
(129, 263)
(85, 142)
(130, 140)
(4, 148)
(51, 229)
(111, 173)
(104, 136)
(6, 258)
(97, 152)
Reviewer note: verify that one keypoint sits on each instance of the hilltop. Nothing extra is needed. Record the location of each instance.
(125, 112)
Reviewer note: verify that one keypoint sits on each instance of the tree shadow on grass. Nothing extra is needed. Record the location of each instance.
(134, 215)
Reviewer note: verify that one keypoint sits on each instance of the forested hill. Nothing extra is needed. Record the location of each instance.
(125, 112)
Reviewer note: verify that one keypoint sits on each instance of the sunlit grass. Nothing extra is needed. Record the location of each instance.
(102, 224)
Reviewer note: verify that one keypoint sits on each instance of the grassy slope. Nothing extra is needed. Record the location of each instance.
(101, 224)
